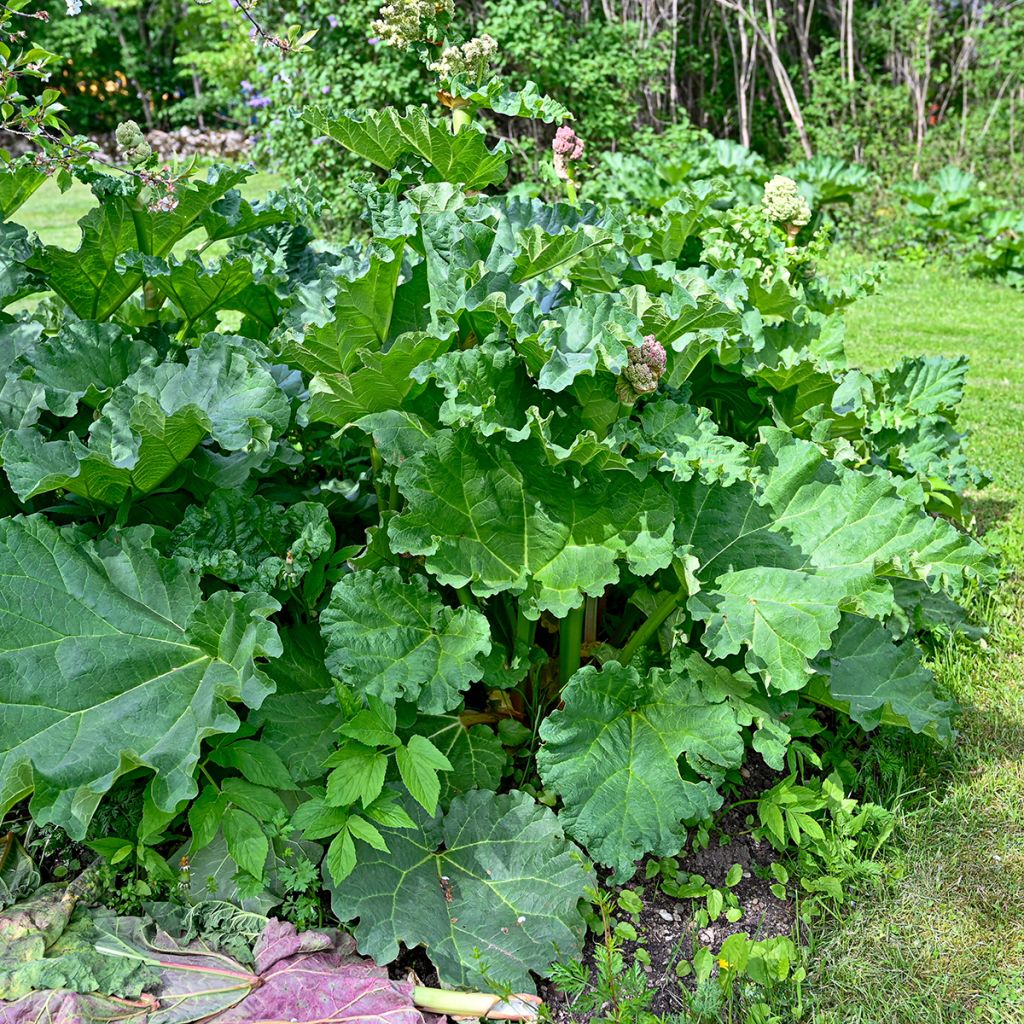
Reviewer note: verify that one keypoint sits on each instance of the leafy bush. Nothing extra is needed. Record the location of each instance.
(399, 558)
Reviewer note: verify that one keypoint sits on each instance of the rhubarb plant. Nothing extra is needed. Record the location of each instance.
(454, 562)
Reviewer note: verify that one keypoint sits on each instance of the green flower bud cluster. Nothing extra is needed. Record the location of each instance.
(783, 202)
(469, 59)
(402, 22)
(132, 142)
(641, 374)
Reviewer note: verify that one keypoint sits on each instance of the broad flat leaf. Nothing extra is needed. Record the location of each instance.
(300, 719)
(474, 752)
(490, 889)
(17, 276)
(685, 442)
(383, 382)
(194, 288)
(499, 520)
(877, 681)
(784, 616)
(679, 216)
(612, 754)
(347, 309)
(234, 215)
(779, 560)
(150, 425)
(920, 386)
(110, 660)
(84, 362)
(392, 638)
(251, 542)
(542, 253)
(848, 521)
(384, 136)
(485, 389)
(595, 333)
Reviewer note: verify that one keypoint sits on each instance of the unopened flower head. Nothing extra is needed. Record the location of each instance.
(402, 22)
(567, 143)
(652, 353)
(783, 202)
(132, 142)
(469, 59)
(640, 375)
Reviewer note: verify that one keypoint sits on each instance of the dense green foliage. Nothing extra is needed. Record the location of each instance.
(452, 561)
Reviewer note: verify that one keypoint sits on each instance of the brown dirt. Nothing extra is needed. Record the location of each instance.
(667, 927)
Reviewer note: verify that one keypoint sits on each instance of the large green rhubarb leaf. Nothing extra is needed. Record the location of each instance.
(503, 520)
(612, 753)
(779, 560)
(383, 382)
(385, 136)
(151, 424)
(490, 889)
(392, 638)
(110, 660)
(876, 681)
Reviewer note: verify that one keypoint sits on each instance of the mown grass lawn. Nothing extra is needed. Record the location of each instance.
(943, 941)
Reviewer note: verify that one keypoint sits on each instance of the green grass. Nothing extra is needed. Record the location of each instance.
(54, 216)
(943, 941)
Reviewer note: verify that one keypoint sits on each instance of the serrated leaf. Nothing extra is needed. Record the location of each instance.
(341, 857)
(611, 752)
(418, 762)
(204, 817)
(392, 638)
(491, 890)
(360, 828)
(127, 666)
(247, 842)
(358, 775)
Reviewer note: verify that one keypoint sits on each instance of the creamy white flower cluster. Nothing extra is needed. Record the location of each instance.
(402, 22)
(132, 142)
(783, 202)
(470, 59)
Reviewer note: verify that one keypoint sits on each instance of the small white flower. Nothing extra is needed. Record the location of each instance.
(74, 7)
